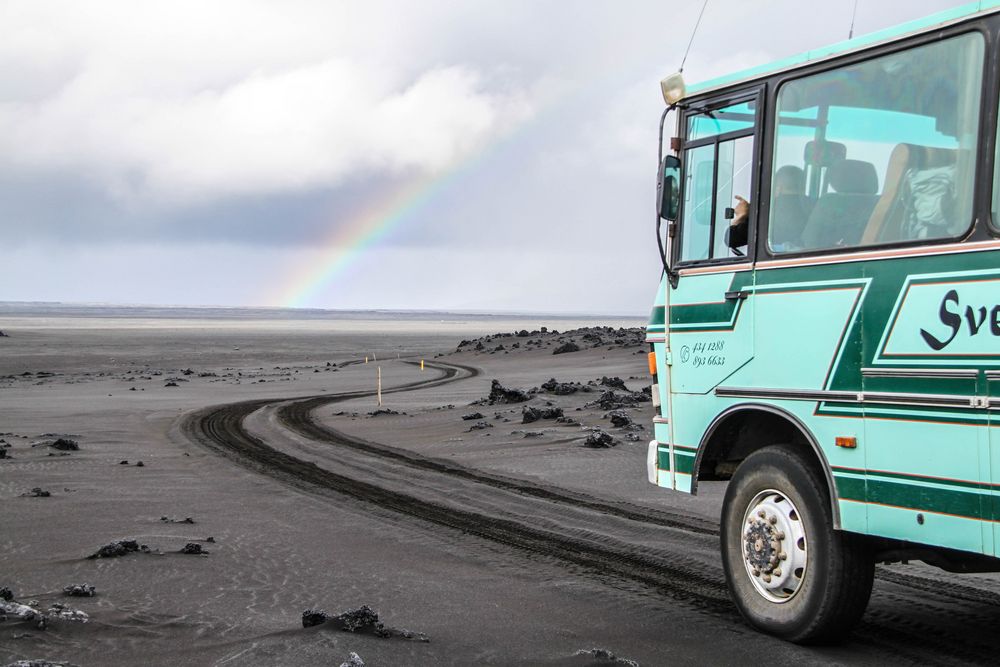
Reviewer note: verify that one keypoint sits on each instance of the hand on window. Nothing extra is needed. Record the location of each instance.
(742, 210)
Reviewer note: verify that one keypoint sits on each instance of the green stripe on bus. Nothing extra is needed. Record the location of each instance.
(663, 459)
(906, 495)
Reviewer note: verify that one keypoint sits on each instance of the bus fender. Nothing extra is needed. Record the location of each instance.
(794, 422)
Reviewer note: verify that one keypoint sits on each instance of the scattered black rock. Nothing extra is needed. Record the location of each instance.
(479, 426)
(171, 384)
(382, 412)
(187, 371)
(600, 657)
(553, 386)
(631, 437)
(600, 440)
(533, 434)
(66, 445)
(363, 620)
(619, 418)
(80, 591)
(166, 519)
(119, 548)
(314, 617)
(501, 394)
(36, 492)
(615, 383)
(123, 462)
(473, 415)
(523, 333)
(39, 663)
(193, 549)
(530, 414)
(6, 594)
(3, 335)
(610, 400)
(353, 660)
(140, 464)
(566, 347)
(3, 453)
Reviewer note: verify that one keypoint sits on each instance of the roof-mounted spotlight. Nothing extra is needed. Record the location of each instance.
(673, 88)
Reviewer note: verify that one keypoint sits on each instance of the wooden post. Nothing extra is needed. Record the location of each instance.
(378, 389)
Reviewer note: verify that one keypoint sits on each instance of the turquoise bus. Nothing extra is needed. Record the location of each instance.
(826, 333)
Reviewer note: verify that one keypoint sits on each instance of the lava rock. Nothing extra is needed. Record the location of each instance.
(314, 617)
(473, 415)
(361, 620)
(501, 394)
(600, 440)
(66, 445)
(601, 656)
(479, 426)
(619, 418)
(80, 591)
(566, 347)
(193, 549)
(383, 412)
(615, 383)
(353, 660)
(6, 594)
(119, 548)
(553, 386)
(36, 492)
(530, 414)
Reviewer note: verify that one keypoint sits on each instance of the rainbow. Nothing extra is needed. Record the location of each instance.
(349, 241)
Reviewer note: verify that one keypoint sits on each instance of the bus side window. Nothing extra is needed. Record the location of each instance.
(889, 147)
(718, 168)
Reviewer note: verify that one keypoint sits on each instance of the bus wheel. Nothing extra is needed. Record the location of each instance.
(789, 572)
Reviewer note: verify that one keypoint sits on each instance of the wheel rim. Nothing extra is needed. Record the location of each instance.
(775, 550)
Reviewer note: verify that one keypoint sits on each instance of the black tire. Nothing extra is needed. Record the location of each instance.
(827, 600)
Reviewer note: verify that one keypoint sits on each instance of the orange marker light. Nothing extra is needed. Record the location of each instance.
(847, 442)
(652, 363)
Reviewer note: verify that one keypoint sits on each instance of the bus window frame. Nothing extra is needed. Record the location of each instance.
(991, 126)
(985, 27)
(756, 93)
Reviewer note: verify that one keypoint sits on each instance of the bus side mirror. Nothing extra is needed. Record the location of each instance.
(668, 188)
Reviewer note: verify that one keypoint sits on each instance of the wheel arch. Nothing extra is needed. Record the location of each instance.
(755, 426)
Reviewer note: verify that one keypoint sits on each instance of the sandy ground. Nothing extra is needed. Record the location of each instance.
(527, 551)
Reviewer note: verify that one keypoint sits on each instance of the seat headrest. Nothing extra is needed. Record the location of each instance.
(854, 177)
(824, 153)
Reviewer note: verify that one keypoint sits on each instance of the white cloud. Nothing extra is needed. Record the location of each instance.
(163, 118)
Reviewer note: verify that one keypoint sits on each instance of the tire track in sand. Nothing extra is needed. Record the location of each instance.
(221, 429)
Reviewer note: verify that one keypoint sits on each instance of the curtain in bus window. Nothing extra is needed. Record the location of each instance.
(878, 152)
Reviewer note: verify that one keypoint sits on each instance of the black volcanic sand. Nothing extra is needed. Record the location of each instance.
(280, 545)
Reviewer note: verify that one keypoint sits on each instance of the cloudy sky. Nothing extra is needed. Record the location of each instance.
(480, 155)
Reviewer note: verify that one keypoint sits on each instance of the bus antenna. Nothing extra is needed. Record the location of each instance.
(693, 33)
(850, 33)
